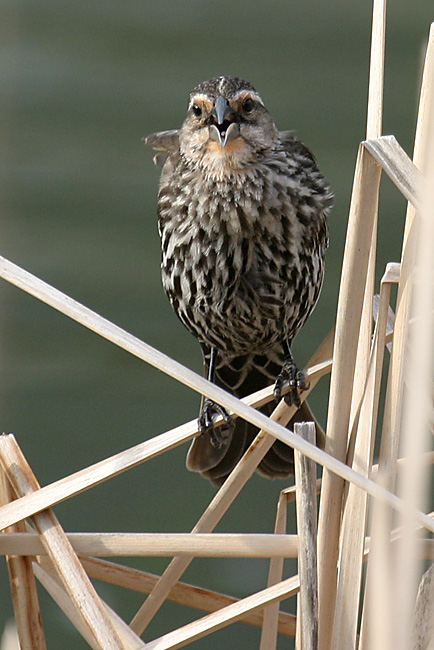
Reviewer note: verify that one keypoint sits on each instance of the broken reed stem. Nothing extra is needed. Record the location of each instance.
(354, 285)
(226, 616)
(23, 587)
(395, 385)
(356, 258)
(305, 477)
(355, 507)
(224, 498)
(181, 593)
(110, 467)
(397, 165)
(275, 574)
(75, 580)
(50, 581)
(212, 515)
(378, 627)
(61, 598)
(391, 275)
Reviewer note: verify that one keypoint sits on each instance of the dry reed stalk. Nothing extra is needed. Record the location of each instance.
(374, 116)
(377, 586)
(23, 587)
(355, 511)
(63, 601)
(395, 387)
(60, 490)
(181, 593)
(390, 315)
(160, 544)
(209, 519)
(291, 492)
(374, 119)
(351, 297)
(357, 391)
(67, 487)
(225, 496)
(352, 349)
(377, 626)
(352, 331)
(417, 408)
(47, 576)
(74, 578)
(213, 622)
(394, 161)
(307, 605)
(360, 437)
(275, 574)
(378, 565)
(92, 475)
(110, 467)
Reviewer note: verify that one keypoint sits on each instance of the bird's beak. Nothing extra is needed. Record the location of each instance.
(224, 126)
(221, 109)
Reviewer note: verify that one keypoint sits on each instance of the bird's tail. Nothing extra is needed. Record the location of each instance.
(242, 376)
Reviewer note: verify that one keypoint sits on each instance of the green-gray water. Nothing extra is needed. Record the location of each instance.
(81, 83)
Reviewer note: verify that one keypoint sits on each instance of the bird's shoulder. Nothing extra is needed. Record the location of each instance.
(294, 147)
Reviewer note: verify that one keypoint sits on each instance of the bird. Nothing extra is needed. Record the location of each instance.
(243, 221)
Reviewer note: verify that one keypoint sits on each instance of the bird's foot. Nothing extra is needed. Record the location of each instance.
(209, 413)
(295, 378)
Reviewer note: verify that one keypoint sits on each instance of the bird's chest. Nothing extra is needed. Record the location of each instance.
(212, 238)
(227, 255)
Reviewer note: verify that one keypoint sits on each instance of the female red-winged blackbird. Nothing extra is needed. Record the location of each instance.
(243, 222)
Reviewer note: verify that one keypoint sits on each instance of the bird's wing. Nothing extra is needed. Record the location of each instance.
(165, 142)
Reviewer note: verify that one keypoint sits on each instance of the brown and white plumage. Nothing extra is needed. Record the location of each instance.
(243, 222)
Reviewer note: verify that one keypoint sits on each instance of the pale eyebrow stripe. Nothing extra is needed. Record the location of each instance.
(205, 98)
(199, 96)
(250, 93)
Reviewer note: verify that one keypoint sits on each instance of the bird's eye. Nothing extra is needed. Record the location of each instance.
(248, 105)
(196, 110)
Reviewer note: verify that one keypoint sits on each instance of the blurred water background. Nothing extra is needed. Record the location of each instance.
(81, 83)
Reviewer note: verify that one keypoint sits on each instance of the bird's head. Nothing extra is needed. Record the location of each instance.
(227, 124)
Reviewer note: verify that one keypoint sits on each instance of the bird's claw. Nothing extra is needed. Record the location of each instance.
(295, 378)
(210, 412)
